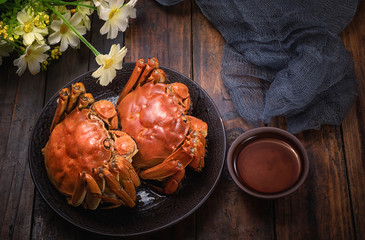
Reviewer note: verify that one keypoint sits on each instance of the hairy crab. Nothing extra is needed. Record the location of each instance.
(86, 158)
(155, 114)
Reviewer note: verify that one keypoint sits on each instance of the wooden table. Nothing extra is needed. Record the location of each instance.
(330, 204)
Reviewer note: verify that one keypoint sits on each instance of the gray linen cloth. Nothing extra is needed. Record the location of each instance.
(285, 58)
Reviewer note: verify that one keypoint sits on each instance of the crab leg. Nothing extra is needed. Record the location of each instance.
(77, 89)
(125, 177)
(173, 163)
(137, 71)
(163, 170)
(114, 185)
(92, 200)
(116, 203)
(198, 134)
(157, 76)
(79, 192)
(98, 178)
(172, 182)
(197, 163)
(85, 100)
(64, 95)
(124, 164)
(152, 63)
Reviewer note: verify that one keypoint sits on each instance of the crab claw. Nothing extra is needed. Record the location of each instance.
(106, 111)
(181, 91)
(124, 145)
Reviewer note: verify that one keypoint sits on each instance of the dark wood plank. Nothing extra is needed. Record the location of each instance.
(45, 220)
(353, 125)
(321, 208)
(20, 99)
(324, 201)
(228, 213)
(161, 32)
(71, 64)
(165, 33)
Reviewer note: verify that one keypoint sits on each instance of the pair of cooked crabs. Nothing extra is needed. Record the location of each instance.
(92, 162)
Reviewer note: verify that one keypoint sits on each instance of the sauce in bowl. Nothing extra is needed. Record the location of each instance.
(268, 165)
(268, 162)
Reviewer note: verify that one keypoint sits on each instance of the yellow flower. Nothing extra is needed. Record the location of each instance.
(5, 49)
(28, 30)
(109, 64)
(55, 53)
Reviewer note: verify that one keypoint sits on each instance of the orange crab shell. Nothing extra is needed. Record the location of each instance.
(152, 116)
(75, 145)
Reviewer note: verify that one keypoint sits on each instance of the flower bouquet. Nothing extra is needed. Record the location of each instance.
(37, 32)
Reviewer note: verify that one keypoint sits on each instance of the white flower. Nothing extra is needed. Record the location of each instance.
(65, 34)
(85, 12)
(129, 8)
(34, 55)
(116, 16)
(109, 64)
(97, 3)
(5, 49)
(27, 29)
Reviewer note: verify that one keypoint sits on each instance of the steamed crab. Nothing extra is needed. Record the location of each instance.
(86, 158)
(155, 115)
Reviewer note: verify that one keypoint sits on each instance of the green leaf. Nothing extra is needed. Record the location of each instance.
(3, 1)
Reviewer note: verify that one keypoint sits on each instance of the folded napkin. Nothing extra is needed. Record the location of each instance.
(284, 57)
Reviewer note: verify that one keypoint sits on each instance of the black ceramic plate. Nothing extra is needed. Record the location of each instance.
(153, 211)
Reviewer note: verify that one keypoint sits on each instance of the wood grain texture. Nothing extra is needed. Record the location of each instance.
(22, 98)
(329, 205)
(71, 64)
(161, 32)
(323, 202)
(228, 213)
(164, 33)
(353, 127)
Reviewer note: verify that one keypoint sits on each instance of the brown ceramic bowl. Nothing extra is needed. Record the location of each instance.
(268, 162)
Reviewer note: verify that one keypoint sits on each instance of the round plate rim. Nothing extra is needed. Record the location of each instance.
(188, 213)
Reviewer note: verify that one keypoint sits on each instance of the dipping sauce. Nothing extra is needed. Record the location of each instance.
(268, 165)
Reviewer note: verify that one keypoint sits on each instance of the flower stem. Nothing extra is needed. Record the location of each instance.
(74, 3)
(91, 47)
